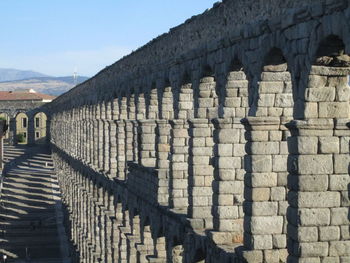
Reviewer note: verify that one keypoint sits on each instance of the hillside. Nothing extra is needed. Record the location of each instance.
(7, 74)
(13, 79)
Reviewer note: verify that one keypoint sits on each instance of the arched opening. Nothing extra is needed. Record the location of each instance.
(40, 128)
(21, 128)
(6, 117)
(328, 93)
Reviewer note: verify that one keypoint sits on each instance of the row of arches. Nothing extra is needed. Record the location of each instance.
(233, 157)
(25, 129)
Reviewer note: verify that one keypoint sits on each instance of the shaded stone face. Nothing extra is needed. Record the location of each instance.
(228, 145)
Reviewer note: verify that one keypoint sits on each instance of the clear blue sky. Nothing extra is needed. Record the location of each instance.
(55, 36)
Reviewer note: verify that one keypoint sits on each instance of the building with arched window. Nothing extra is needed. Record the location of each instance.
(25, 112)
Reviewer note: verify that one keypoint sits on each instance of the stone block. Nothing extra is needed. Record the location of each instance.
(239, 150)
(303, 234)
(228, 187)
(261, 225)
(309, 183)
(254, 256)
(225, 149)
(257, 136)
(345, 232)
(258, 163)
(311, 110)
(342, 93)
(258, 194)
(279, 241)
(320, 94)
(282, 179)
(229, 162)
(228, 136)
(334, 110)
(284, 100)
(329, 233)
(229, 212)
(275, 136)
(202, 151)
(262, 180)
(314, 249)
(279, 163)
(303, 145)
(310, 217)
(339, 182)
(266, 100)
(200, 160)
(271, 87)
(341, 163)
(339, 248)
(317, 199)
(330, 260)
(329, 144)
(262, 241)
(275, 76)
(261, 208)
(315, 164)
(263, 148)
(278, 193)
(340, 216)
(233, 102)
(316, 81)
(344, 144)
(345, 198)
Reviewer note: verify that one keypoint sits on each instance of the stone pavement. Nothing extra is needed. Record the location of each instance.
(31, 227)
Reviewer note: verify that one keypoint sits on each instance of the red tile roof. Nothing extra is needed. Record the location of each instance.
(24, 95)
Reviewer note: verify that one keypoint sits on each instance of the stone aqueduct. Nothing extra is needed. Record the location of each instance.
(224, 140)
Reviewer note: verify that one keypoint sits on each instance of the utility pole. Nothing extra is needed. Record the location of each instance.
(75, 77)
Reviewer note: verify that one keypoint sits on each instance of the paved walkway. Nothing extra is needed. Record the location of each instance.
(31, 227)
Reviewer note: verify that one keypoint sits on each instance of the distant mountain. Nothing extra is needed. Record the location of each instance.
(7, 74)
(10, 80)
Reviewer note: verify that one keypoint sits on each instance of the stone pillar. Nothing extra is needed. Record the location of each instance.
(178, 177)
(121, 149)
(113, 149)
(31, 133)
(319, 180)
(208, 101)
(162, 164)
(147, 143)
(263, 224)
(135, 142)
(2, 127)
(129, 137)
(12, 132)
(167, 104)
(200, 174)
(228, 186)
(95, 135)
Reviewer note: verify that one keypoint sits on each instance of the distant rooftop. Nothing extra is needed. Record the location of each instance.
(28, 94)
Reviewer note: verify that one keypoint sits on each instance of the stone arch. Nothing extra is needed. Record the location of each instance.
(327, 91)
(22, 124)
(40, 128)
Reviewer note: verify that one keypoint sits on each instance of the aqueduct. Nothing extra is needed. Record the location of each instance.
(224, 140)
